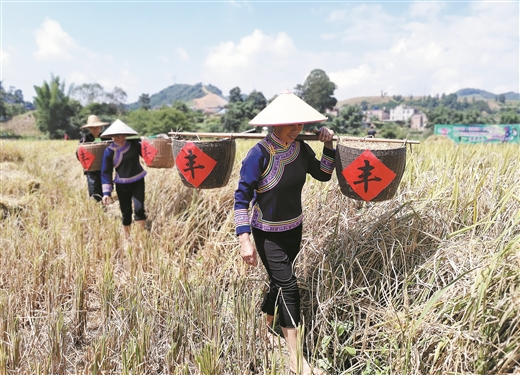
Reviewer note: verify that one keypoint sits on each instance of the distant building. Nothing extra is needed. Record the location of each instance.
(334, 112)
(418, 121)
(213, 110)
(401, 113)
(380, 114)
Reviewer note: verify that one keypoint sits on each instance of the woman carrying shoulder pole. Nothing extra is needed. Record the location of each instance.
(123, 156)
(271, 179)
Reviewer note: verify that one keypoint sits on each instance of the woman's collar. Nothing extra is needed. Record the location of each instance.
(278, 142)
(115, 145)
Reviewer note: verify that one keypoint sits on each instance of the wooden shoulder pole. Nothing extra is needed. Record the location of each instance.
(303, 137)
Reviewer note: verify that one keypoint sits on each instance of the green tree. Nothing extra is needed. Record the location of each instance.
(234, 117)
(180, 106)
(11, 103)
(107, 112)
(348, 121)
(509, 117)
(3, 104)
(54, 109)
(144, 101)
(473, 117)
(257, 99)
(118, 98)
(391, 131)
(169, 119)
(450, 101)
(237, 116)
(88, 93)
(161, 121)
(318, 91)
(443, 115)
(239, 111)
(235, 95)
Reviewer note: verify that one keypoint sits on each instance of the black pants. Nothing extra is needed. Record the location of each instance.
(94, 185)
(278, 251)
(128, 193)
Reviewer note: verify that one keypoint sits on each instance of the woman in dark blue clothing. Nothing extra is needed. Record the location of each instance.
(271, 181)
(123, 156)
(95, 127)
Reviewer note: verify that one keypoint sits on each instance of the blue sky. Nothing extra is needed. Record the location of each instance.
(400, 47)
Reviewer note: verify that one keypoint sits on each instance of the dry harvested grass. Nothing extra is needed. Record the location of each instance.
(425, 283)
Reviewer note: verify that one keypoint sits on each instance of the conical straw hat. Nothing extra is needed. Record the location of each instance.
(93, 121)
(287, 109)
(118, 127)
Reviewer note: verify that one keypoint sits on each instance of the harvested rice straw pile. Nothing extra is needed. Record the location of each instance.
(371, 145)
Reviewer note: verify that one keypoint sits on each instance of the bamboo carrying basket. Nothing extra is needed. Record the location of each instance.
(393, 155)
(164, 157)
(97, 149)
(222, 151)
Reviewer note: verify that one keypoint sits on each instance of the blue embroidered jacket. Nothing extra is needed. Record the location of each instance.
(126, 162)
(272, 179)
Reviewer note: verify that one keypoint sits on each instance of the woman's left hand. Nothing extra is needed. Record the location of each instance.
(325, 135)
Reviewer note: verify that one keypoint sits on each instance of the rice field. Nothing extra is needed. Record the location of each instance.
(425, 283)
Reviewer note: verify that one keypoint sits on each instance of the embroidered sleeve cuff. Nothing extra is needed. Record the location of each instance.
(107, 189)
(242, 221)
(327, 162)
(241, 217)
(243, 229)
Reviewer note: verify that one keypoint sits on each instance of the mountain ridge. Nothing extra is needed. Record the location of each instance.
(201, 96)
(183, 92)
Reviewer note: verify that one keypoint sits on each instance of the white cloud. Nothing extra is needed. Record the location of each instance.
(251, 48)
(337, 15)
(328, 36)
(437, 53)
(5, 57)
(257, 59)
(402, 48)
(53, 42)
(61, 55)
(183, 54)
(369, 24)
(78, 78)
(426, 9)
(353, 77)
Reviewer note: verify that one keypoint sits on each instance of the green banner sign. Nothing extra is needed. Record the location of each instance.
(480, 133)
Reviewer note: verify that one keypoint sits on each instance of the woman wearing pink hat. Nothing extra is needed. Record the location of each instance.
(123, 156)
(272, 177)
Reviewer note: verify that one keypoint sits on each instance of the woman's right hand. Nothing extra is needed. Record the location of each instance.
(247, 249)
(106, 200)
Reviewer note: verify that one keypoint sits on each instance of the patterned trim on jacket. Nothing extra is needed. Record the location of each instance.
(280, 157)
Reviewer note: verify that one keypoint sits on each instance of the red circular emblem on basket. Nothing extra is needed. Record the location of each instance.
(194, 164)
(148, 151)
(368, 176)
(86, 158)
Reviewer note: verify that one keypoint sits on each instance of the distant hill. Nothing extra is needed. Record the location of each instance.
(208, 96)
(463, 93)
(371, 100)
(182, 92)
(483, 94)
